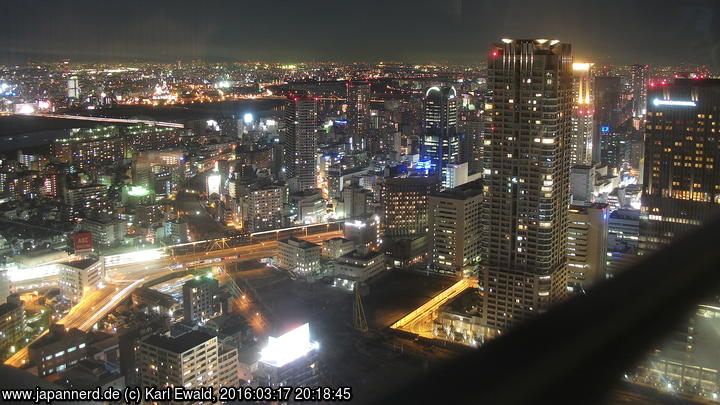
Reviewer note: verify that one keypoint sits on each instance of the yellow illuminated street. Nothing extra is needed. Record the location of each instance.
(420, 321)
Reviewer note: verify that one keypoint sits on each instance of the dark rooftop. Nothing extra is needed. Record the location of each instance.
(81, 264)
(179, 344)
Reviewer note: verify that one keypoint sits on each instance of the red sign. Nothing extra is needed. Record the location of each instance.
(82, 241)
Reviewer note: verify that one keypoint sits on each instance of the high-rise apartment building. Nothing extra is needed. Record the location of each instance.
(358, 112)
(263, 208)
(527, 161)
(406, 204)
(582, 117)
(681, 185)
(85, 200)
(299, 137)
(90, 147)
(441, 142)
(455, 229)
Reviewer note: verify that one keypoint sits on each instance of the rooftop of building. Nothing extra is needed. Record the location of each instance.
(413, 180)
(58, 333)
(198, 281)
(585, 207)
(462, 192)
(338, 239)
(625, 214)
(363, 256)
(81, 264)
(303, 244)
(88, 373)
(179, 344)
(13, 303)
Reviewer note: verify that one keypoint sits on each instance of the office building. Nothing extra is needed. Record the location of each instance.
(356, 267)
(177, 230)
(455, 229)
(299, 256)
(586, 245)
(58, 350)
(336, 247)
(89, 374)
(527, 162)
(364, 232)
(189, 360)
(355, 202)
(681, 185)
(309, 206)
(639, 83)
(623, 237)
(441, 142)
(80, 277)
(201, 299)
(406, 204)
(607, 92)
(582, 184)
(582, 117)
(105, 231)
(290, 359)
(299, 137)
(73, 88)
(12, 324)
(358, 112)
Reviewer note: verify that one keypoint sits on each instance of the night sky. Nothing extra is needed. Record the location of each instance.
(628, 31)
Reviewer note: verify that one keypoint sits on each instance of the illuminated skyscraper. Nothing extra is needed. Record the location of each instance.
(299, 137)
(358, 113)
(681, 185)
(406, 204)
(455, 224)
(527, 161)
(582, 117)
(73, 87)
(607, 112)
(639, 82)
(441, 143)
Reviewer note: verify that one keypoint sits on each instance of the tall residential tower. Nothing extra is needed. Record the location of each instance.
(527, 161)
(299, 139)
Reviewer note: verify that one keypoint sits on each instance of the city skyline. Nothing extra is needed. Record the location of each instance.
(330, 231)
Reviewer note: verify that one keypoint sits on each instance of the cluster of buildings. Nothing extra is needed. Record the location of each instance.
(537, 176)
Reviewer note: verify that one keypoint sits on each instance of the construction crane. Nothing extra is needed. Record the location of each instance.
(359, 321)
